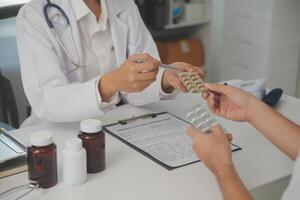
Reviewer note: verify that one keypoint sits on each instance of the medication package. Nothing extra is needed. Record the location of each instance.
(201, 118)
(203, 121)
(192, 81)
(198, 115)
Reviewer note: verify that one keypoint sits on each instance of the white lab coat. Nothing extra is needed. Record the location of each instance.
(60, 97)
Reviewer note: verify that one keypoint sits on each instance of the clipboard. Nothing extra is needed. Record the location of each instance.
(12, 155)
(160, 137)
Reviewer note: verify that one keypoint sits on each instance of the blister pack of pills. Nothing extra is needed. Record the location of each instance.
(192, 81)
(201, 118)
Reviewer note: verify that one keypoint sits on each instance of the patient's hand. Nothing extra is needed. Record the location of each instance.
(213, 149)
(229, 102)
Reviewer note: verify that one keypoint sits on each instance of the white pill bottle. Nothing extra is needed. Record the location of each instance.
(74, 162)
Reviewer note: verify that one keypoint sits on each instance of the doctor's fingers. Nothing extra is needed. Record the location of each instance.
(188, 67)
(141, 58)
(140, 86)
(178, 85)
(146, 76)
(147, 66)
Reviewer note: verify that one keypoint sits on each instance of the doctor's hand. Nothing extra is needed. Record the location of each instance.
(170, 80)
(131, 76)
(213, 149)
(229, 102)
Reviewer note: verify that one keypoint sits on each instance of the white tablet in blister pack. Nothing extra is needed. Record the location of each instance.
(201, 118)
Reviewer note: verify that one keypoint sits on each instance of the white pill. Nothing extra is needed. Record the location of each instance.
(194, 120)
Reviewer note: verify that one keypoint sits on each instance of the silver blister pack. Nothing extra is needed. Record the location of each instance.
(201, 118)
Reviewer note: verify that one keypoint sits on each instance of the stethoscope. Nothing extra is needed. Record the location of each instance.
(49, 5)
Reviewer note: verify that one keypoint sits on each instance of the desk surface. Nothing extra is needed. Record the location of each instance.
(130, 175)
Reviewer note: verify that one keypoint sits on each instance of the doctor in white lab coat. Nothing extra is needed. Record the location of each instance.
(109, 37)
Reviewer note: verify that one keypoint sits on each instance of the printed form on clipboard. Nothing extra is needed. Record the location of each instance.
(161, 137)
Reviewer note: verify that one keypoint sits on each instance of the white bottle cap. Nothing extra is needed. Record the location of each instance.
(90, 126)
(41, 138)
(74, 144)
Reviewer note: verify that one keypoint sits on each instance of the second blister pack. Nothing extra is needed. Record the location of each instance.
(201, 118)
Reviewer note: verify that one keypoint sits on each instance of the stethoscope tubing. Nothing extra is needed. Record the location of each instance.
(31, 186)
(46, 8)
(61, 11)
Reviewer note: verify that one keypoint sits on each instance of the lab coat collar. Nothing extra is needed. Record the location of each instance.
(116, 7)
(119, 29)
(80, 9)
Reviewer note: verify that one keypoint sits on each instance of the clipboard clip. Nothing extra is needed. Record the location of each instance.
(126, 121)
(13, 139)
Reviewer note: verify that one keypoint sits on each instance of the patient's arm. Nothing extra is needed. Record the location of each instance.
(235, 104)
(231, 185)
(215, 151)
(278, 129)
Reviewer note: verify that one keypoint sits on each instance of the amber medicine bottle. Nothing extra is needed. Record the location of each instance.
(41, 159)
(93, 140)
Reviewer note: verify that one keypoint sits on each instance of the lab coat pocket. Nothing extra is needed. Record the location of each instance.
(131, 50)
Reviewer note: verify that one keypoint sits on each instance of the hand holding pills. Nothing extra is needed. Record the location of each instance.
(201, 118)
(192, 81)
(229, 102)
(172, 80)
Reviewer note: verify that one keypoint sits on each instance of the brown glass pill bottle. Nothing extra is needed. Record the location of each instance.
(93, 140)
(41, 159)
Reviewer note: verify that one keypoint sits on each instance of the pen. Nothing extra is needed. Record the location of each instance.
(171, 67)
(165, 66)
(123, 122)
